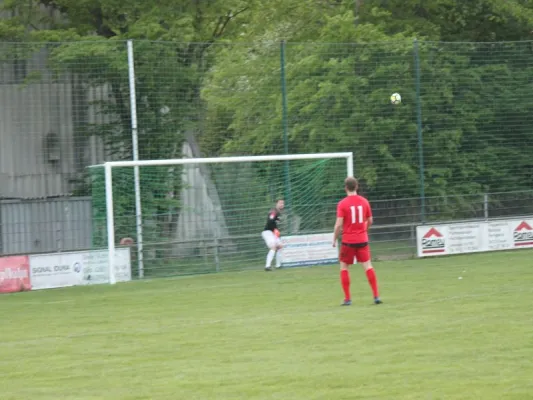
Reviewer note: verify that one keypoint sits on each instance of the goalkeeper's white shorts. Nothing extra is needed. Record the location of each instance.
(270, 239)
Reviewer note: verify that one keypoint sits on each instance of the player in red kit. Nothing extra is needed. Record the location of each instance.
(354, 217)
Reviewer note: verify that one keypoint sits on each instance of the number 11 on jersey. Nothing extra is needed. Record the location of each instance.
(357, 217)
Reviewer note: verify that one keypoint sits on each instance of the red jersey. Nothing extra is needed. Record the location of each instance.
(356, 211)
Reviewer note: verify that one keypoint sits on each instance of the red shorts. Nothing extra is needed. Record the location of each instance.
(349, 254)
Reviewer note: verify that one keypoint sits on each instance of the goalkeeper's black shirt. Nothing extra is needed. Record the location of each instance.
(272, 220)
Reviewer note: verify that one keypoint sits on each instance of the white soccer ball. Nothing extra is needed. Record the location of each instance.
(395, 98)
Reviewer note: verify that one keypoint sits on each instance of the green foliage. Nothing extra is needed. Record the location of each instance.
(160, 206)
(168, 77)
(338, 101)
(453, 20)
(310, 188)
(211, 70)
(324, 114)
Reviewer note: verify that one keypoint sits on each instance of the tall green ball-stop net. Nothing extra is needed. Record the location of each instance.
(204, 215)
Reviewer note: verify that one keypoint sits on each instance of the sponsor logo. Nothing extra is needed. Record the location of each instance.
(433, 242)
(52, 269)
(523, 235)
(14, 274)
(77, 267)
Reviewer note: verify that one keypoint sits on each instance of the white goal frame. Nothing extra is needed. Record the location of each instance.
(110, 217)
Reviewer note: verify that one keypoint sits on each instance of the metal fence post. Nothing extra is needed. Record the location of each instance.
(286, 174)
(419, 131)
(486, 206)
(134, 138)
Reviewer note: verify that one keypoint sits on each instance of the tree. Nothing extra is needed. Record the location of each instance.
(86, 45)
(453, 20)
(337, 92)
(213, 69)
(169, 75)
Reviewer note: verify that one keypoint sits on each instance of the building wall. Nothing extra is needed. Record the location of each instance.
(34, 226)
(36, 140)
(44, 147)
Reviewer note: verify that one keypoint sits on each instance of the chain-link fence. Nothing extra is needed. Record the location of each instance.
(463, 129)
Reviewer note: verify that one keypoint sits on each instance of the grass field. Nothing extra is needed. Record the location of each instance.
(280, 335)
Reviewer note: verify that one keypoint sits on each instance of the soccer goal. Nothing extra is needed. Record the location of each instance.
(199, 215)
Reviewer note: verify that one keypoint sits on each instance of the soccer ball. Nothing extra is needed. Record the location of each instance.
(395, 98)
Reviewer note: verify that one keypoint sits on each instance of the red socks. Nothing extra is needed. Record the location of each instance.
(370, 275)
(372, 280)
(345, 282)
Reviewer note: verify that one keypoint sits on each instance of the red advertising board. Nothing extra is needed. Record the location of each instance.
(14, 274)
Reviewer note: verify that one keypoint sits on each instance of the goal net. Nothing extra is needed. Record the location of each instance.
(190, 216)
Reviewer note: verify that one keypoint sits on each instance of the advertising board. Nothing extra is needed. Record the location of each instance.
(14, 274)
(471, 237)
(56, 270)
(304, 250)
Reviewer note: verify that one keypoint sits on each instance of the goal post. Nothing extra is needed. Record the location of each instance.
(210, 210)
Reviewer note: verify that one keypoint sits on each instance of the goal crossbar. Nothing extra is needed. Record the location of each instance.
(108, 166)
(215, 160)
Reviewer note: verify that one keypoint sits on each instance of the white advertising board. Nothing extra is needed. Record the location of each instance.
(314, 249)
(471, 237)
(56, 270)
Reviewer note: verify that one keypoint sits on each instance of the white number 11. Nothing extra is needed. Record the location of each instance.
(359, 214)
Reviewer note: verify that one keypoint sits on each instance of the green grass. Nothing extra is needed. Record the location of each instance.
(280, 335)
